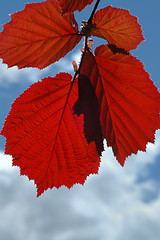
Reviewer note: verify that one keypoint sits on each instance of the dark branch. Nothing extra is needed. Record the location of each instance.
(93, 12)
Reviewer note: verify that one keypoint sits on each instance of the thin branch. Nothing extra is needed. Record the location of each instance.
(93, 12)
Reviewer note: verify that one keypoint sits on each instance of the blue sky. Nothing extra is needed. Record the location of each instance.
(119, 203)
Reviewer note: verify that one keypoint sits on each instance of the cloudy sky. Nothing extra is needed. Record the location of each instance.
(118, 203)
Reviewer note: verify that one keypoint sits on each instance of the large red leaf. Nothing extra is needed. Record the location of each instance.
(129, 102)
(118, 27)
(38, 36)
(46, 139)
(69, 6)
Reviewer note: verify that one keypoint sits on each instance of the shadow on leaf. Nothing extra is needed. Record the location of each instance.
(87, 104)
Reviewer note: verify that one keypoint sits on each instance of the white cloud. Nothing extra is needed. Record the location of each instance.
(113, 205)
(139, 165)
(77, 56)
(65, 64)
(14, 75)
(5, 162)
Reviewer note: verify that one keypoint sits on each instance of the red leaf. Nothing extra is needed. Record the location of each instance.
(87, 104)
(69, 6)
(129, 102)
(118, 27)
(44, 137)
(38, 36)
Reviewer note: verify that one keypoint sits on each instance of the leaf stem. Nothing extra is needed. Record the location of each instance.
(93, 12)
(85, 49)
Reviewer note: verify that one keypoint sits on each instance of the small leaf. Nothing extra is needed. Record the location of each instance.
(69, 6)
(118, 27)
(129, 102)
(38, 36)
(45, 139)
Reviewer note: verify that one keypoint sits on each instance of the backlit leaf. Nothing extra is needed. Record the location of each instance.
(69, 6)
(129, 102)
(45, 138)
(118, 27)
(38, 36)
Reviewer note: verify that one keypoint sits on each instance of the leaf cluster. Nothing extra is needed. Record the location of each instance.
(55, 129)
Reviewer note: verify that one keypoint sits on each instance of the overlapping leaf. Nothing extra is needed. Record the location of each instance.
(129, 102)
(87, 104)
(118, 27)
(46, 139)
(55, 129)
(69, 6)
(38, 36)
